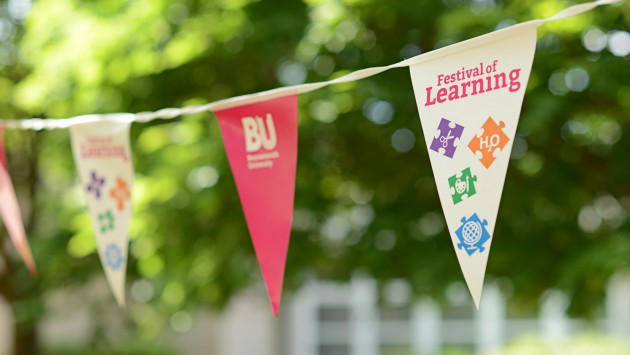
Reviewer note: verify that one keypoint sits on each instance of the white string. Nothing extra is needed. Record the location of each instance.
(170, 113)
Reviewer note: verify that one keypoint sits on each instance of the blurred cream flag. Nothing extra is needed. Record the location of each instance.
(103, 160)
(469, 97)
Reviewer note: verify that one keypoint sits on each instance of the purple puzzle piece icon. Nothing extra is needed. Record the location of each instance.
(447, 138)
(96, 184)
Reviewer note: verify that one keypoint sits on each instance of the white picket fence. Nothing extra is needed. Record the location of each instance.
(328, 318)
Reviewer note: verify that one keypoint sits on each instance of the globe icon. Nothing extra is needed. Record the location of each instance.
(471, 232)
(114, 257)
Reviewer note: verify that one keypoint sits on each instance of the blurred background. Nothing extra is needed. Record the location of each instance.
(371, 269)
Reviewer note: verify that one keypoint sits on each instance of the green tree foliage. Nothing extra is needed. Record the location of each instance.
(365, 195)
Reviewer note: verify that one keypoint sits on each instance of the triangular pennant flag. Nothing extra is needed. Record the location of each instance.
(469, 97)
(261, 144)
(103, 160)
(10, 211)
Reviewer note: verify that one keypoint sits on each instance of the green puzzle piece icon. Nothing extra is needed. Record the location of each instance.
(106, 221)
(462, 185)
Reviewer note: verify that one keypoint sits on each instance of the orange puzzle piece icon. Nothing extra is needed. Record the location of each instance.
(120, 193)
(489, 142)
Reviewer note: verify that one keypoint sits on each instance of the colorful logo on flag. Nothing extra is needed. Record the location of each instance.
(462, 185)
(114, 257)
(106, 221)
(489, 142)
(472, 234)
(260, 141)
(259, 133)
(446, 138)
(96, 184)
(120, 193)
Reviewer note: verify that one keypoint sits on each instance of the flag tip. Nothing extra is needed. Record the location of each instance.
(33, 271)
(120, 300)
(30, 263)
(477, 299)
(275, 307)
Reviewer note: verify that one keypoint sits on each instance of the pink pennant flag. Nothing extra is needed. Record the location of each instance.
(10, 212)
(261, 144)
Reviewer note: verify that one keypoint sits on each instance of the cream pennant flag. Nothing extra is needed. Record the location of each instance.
(103, 160)
(469, 97)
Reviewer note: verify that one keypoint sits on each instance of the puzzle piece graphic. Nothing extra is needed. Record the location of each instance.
(106, 221)
(489, 142)
(114, 257)
(472, 234)
(120, 193)
(462, 185)
(447, 137)
(96, 184)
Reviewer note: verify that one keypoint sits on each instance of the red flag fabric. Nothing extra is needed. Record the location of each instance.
(10, 211)
(261, 144)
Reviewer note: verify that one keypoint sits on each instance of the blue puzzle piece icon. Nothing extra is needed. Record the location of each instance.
(114, 257)
(447, 137)
(472, 234)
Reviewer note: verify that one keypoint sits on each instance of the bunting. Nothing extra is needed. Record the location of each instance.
(103, 160)
(469, 97)
(10, 211)
(261, 143)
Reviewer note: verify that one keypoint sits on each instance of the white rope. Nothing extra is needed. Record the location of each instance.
(170, 113)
